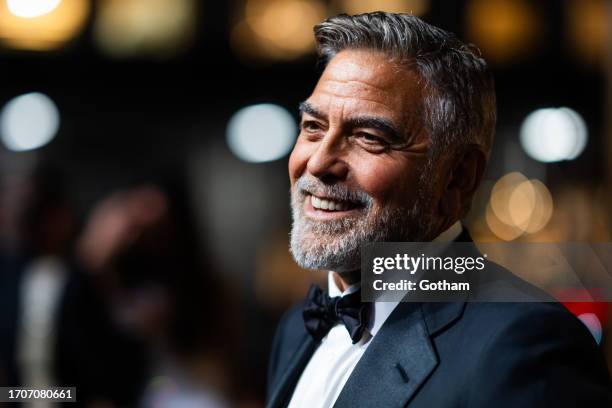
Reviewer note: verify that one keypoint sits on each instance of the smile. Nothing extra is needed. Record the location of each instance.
(328, 208)
(328, 204)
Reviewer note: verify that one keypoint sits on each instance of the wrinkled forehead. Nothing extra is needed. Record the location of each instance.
(368, 80)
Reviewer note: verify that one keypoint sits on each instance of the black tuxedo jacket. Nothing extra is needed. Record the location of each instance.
(460, 354)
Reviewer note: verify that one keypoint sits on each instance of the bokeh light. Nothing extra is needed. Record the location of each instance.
(591, 321)
(41, 25)
(505, 30)
(277, 29)
(522, 203)
(415, 7)
(31, 8)
(499, 229)
(261, 133)
(501, 193)
(588, 25)
(542, 208)
(518, 206)
(157, 28)
(553, 134)
(28, 122)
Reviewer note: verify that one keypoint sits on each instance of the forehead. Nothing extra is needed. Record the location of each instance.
(367, 80)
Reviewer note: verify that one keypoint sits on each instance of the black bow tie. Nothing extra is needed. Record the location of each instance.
(321, 313)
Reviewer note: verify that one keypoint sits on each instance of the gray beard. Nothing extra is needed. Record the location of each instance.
(336, 244)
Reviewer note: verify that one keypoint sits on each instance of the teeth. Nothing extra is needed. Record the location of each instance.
(329, 205)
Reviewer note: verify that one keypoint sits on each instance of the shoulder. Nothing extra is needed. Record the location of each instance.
(504, 302)
(289, 334)
(547, 318)
(540, 348)
(515, 324)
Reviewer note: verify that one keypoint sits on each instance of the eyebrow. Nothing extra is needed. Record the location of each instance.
(306, 107)
(373, 122)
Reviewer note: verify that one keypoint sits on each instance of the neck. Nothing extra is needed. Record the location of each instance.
(345, 279)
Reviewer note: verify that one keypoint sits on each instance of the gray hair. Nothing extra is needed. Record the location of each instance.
(459, 101)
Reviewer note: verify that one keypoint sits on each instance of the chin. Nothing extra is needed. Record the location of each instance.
(325, 256)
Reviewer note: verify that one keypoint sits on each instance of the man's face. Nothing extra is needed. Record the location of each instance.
(358, 169)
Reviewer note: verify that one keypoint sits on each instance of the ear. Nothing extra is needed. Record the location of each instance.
(464, 178)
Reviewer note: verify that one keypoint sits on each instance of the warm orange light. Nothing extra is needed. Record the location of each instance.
(501, 230)
(144, 27)
(277, 29)
(518, 206)
(588, 23)
(542, 208)
(500, 196)
(415, 7)
(44, 32)
(503, 29)
(522, 203)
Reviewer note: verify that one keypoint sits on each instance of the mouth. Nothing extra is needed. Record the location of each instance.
(319, 207)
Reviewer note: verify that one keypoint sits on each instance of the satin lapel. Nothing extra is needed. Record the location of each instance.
(398, 361)
(280, 396)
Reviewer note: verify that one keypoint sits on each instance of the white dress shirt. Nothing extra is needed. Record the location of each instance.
(333, 362)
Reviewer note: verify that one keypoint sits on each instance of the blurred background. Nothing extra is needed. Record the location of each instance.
(144, 210)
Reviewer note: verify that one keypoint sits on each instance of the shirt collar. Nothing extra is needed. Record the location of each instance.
(450, 234)
(333, 290)
(382, 310)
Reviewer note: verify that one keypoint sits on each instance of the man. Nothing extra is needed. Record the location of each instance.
(393, 143)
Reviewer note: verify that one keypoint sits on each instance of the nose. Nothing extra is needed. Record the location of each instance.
(328, 160)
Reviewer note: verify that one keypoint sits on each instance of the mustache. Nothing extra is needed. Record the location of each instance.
(307, 185)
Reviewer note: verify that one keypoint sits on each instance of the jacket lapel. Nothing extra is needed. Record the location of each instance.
(400, 358)
(288, 379)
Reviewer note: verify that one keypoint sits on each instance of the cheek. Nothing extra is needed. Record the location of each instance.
(388, 180)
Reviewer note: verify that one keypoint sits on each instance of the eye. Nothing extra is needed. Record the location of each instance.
(311, 126)
(370, 138)
(371, 142)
